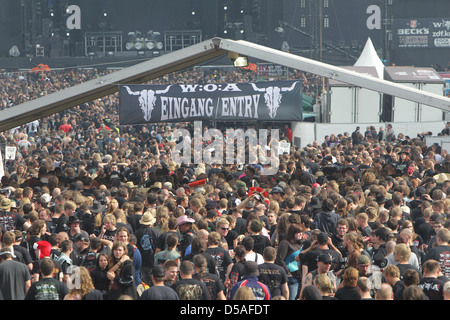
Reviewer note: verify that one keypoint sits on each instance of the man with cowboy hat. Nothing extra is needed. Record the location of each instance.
(75, 231)
(11, 221)
(146, 237)
(184, 225)
(89, 215)
(97, 207)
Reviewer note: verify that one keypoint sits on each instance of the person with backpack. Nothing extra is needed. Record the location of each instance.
(288, 249)
(251, 273)
(146, 238)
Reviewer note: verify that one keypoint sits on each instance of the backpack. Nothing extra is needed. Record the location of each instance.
(257, 293)
(291, 263)
(146, 242)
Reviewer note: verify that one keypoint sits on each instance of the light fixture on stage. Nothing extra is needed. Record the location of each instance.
(138, 45)
(241, 62)
(238, 60)
(131, 39)
(151, 41)
(129, 45)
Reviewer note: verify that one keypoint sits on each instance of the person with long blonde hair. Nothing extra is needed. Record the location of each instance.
(244, 293)
(348, 290)
(83, 287)
(274, 206)
(354, 244)
(114, 204)
(162, 219)
(326, 288)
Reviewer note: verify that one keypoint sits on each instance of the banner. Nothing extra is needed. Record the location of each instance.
(10, 152)
(422, 33)
(284, 147)
(260, 101)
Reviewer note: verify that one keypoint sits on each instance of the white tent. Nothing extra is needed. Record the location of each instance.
(369, 58)
(347, 103)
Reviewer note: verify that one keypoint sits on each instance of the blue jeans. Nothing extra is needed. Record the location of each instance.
(293, 285)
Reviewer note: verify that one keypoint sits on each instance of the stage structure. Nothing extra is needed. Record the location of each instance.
(194, 55)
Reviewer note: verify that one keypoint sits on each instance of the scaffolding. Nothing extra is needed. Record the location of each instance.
(179, 39)
(102, 42)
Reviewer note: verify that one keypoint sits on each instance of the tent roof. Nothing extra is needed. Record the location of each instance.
(369, 58)
(370, 71)
(411, 74)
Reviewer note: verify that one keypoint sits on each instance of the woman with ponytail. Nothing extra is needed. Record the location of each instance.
(215, 286)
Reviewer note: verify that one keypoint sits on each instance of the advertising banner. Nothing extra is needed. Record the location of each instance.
(237, 102)
(422, 33)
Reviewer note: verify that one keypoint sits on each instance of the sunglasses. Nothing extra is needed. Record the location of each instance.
(224, 228)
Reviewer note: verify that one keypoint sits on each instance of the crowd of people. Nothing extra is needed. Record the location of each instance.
(92, 210)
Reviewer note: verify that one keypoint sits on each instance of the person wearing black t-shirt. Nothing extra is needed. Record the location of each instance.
(347, 290)
(261, 241)
(159, 291)
(379, 239)
(231, 234)
(364, 286)
(221, 256)
(338, 237)
(441, 252)
(241, 225)
(10, 221)
(431, 283)
(273, 275)
(308, 257)
(47, 287)
(272, 218)
(402, 253)
(215, 286)
(188, 288)
(392, 275)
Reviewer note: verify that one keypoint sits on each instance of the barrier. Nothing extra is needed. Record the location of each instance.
(307, 132)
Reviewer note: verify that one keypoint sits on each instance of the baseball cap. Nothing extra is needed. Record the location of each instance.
(158, 271)
(325, 258)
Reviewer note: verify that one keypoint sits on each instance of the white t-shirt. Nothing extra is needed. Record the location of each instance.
(251, 257)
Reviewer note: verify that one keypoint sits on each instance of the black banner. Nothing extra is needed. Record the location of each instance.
(260, 101)
(422, 33)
